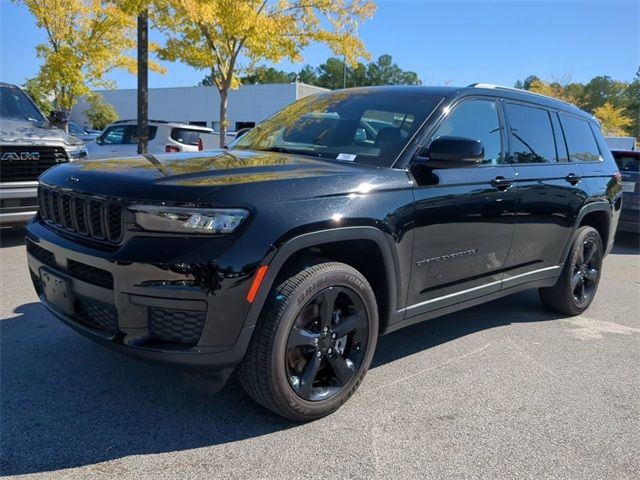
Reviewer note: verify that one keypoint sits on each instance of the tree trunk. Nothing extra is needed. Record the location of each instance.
(224, 93)
(143, 79)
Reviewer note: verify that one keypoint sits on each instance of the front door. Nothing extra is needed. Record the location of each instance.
(463, 216)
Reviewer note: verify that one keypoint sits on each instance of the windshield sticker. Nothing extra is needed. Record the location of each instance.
(346, 156)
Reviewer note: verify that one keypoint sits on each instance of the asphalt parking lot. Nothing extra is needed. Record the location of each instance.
(504, 390)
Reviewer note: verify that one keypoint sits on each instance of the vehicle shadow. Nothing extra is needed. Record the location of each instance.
(12, 236)
(67, 402)
(626, 244)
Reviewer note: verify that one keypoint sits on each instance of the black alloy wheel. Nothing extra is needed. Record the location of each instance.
(313, 343)
(326, 343)
(578, 282)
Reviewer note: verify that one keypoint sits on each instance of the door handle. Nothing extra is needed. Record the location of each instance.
(501, 183)
(572, 178)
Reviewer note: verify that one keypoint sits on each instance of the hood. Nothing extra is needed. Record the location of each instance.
(187, 177)
(19, 132)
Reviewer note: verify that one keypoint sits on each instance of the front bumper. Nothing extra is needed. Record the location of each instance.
(18, 202)
(150, 311)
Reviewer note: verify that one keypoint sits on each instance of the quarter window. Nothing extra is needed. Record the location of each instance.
(530, 134)
(476, 120)
(580, 140)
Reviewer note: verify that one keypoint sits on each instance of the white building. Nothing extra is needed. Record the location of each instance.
(247, 105)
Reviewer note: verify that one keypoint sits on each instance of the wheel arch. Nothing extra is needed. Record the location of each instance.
(337, 245)
(597, 215)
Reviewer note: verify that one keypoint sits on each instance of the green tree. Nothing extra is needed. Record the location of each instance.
(268, 75)
(219, 35)
(85, 40)
(308, 75)
(385, 72)
(601, 90)
(99, 113)
(40, 96)
(612, 120)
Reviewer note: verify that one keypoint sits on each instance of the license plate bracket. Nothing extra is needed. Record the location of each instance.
(628, 187)
(57, 290)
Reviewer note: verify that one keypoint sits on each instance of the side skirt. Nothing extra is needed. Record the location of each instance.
(506, 290)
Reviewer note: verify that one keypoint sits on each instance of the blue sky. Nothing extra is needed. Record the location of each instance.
(443, 41)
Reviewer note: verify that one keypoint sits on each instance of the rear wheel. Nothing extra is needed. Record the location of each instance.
(313, 342)
(580, 276)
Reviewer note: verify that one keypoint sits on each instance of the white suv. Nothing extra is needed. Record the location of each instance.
(120, 138)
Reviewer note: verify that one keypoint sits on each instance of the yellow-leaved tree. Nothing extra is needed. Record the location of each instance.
(86, 39)
(226, 36)
(612, 120)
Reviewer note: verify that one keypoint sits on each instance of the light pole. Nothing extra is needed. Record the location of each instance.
(143, 81)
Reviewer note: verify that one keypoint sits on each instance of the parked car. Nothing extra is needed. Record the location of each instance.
(29, 145)
(212, 141)
(621, 143)
(287, 255)
(629, 164)
(120, 139)
(84, 135)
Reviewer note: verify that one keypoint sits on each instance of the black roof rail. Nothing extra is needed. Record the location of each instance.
(513, 89)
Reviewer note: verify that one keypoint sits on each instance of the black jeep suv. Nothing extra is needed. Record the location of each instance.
(345, 216)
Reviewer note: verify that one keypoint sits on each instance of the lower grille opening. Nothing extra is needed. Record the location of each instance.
(42, 254)
(179, 326)
(97, 315)
(37, 283)
(89, 274)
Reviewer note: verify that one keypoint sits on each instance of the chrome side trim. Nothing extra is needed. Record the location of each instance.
(518, 279)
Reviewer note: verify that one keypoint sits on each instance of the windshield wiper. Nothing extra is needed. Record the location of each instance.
(279, 149)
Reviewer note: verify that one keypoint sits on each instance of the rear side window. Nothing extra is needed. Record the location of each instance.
(581, 143)
(186, 136)
(476, 120)
(530, 134)
(125, 134)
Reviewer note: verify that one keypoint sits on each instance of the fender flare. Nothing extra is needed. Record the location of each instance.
(277, 259)
(598, 206)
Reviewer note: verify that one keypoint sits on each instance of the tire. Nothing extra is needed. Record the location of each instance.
(291, 345)
(580, 276)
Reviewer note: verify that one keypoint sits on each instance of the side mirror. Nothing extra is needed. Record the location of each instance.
(99, 140)
(451, 152)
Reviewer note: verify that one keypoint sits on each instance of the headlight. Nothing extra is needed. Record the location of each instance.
(188, 220)
(77, 153)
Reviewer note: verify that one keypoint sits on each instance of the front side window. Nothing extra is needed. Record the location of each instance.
(475, 120)
(581, 143)
(530, 134)
(363, 126)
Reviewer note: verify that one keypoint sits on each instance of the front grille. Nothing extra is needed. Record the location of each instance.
(42, 254)
(18, 202)
(94, 218)
(89, 274)
(181, 326)
(26, 163)
(96, 315)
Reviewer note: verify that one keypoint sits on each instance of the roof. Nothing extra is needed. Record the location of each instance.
(451, 93)
(164, 122)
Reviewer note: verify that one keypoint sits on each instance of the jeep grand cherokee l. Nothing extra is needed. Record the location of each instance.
(29, 145)
(286, 255)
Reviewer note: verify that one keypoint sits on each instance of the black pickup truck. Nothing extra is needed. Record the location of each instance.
(343, 217)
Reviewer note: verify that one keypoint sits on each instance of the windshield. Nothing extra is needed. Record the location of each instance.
(15, 105)
(365, 126)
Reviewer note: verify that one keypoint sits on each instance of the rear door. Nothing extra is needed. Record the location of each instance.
(551, 192)
(463, 216)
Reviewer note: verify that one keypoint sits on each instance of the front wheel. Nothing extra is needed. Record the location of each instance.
(313, 343)
(580, 276)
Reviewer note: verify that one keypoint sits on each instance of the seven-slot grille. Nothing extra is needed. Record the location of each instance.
(91, 217)
(26, 163)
